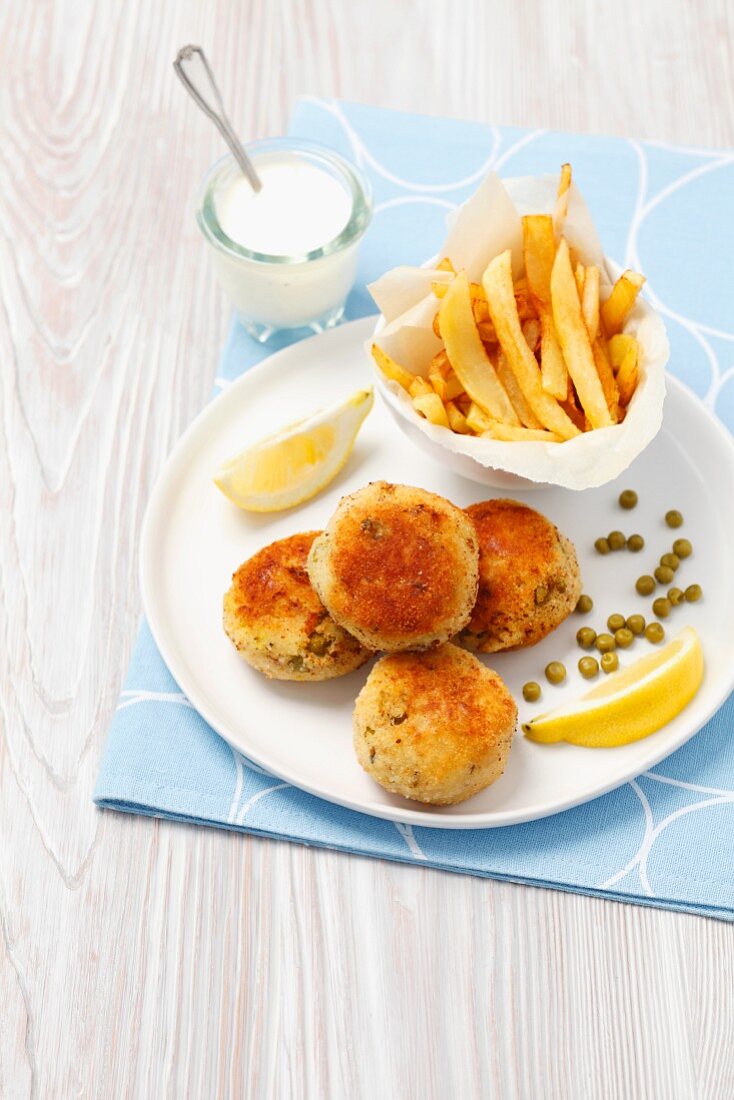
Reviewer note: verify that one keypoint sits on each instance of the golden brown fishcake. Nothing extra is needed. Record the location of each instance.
(277, 622)
(529, 579)
(397, 566)
(434, 727)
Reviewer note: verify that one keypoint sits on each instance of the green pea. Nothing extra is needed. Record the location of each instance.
(531, 692)
(609, 662)
(674, 518)
(589, 667)
(675, 595)
(645, 585)
(624, 637)
(584, 604)
(555, 672)
(605, 643)
(635, 543)
(682, 548)
(662, 607)
(586, 637)
(616, 540)
(693, 593)
(614, 622)
(664, 574)
(654, 632)
(602, 546)
(636, 623)
(671, 560)
(627, 499)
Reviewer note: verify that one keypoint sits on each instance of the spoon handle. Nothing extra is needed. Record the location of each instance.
(216, 113)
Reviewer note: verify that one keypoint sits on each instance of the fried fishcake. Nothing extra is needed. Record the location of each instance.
(277, 622)
(434, 727)
(529, 579)
(397, 567)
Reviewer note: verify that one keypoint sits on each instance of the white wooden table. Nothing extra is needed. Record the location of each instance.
(144, 959)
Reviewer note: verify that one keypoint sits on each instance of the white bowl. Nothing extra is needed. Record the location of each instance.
(588, 460)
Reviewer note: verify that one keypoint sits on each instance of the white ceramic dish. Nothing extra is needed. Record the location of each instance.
(193, 539)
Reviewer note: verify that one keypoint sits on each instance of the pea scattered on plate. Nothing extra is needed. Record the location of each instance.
(636, 623)
(602, 546)
(624, 637)
(674, 518)
(683, 548)
(616, 540)
(628, 499)
(609, 662)
(693, 593)
(605, 643)
(585, 604)
(589, 667)
(675, 595)
(555, 672)
(614, 622)
(586, 637)
(664, 574)
(654, 632)
(662, 607)
(635, 543)
(645, 585)
(531, 692)
(671, 560)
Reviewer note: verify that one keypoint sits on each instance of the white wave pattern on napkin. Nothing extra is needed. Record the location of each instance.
(485, 225)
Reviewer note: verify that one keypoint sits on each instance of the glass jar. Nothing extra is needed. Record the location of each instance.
(275, 292)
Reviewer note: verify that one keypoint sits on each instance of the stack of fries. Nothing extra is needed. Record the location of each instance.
(537, 358)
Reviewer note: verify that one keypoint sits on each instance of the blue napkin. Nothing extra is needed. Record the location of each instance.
(665, 839)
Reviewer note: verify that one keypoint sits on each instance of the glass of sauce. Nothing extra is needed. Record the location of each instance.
(286, 255)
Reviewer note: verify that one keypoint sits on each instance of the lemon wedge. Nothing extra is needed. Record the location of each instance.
(632, 704)
(295, 463)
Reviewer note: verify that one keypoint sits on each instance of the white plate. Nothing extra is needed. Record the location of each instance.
(193, 539)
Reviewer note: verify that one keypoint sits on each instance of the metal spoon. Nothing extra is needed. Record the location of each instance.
(217, 113)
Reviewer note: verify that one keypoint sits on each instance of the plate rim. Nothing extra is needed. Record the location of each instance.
(407, 815)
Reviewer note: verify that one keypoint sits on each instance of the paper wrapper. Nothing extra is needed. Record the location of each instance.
(485, 225)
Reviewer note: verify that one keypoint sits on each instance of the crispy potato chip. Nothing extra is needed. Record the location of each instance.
(624, 294)
(574, 340)
(445, 265)
(509, 433)
(539, 249)
(515, 394)
(431, 406)
(457, 420)
(498, 287)
(391, 369)
(590, 302)
(468, 356)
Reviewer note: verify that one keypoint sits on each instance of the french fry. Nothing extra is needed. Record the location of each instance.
(624, 352)
(539, 249)
(560, 210)
(457, 420)
(486, 332)
(437, 324)
(509, 433)
(574, 340)
(497, 282)
(440, 363)
(468, 356)
(448, 387)
(445, 265)
(580, 274)
(515, 394)
(391, 369)
(430, 405)
(477, 420)
(624, 294)
(606, 377)
(439, 289)
(419, 387)
(590, 302)
(531, 332)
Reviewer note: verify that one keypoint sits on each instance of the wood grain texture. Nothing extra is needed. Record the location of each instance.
(144, 959)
